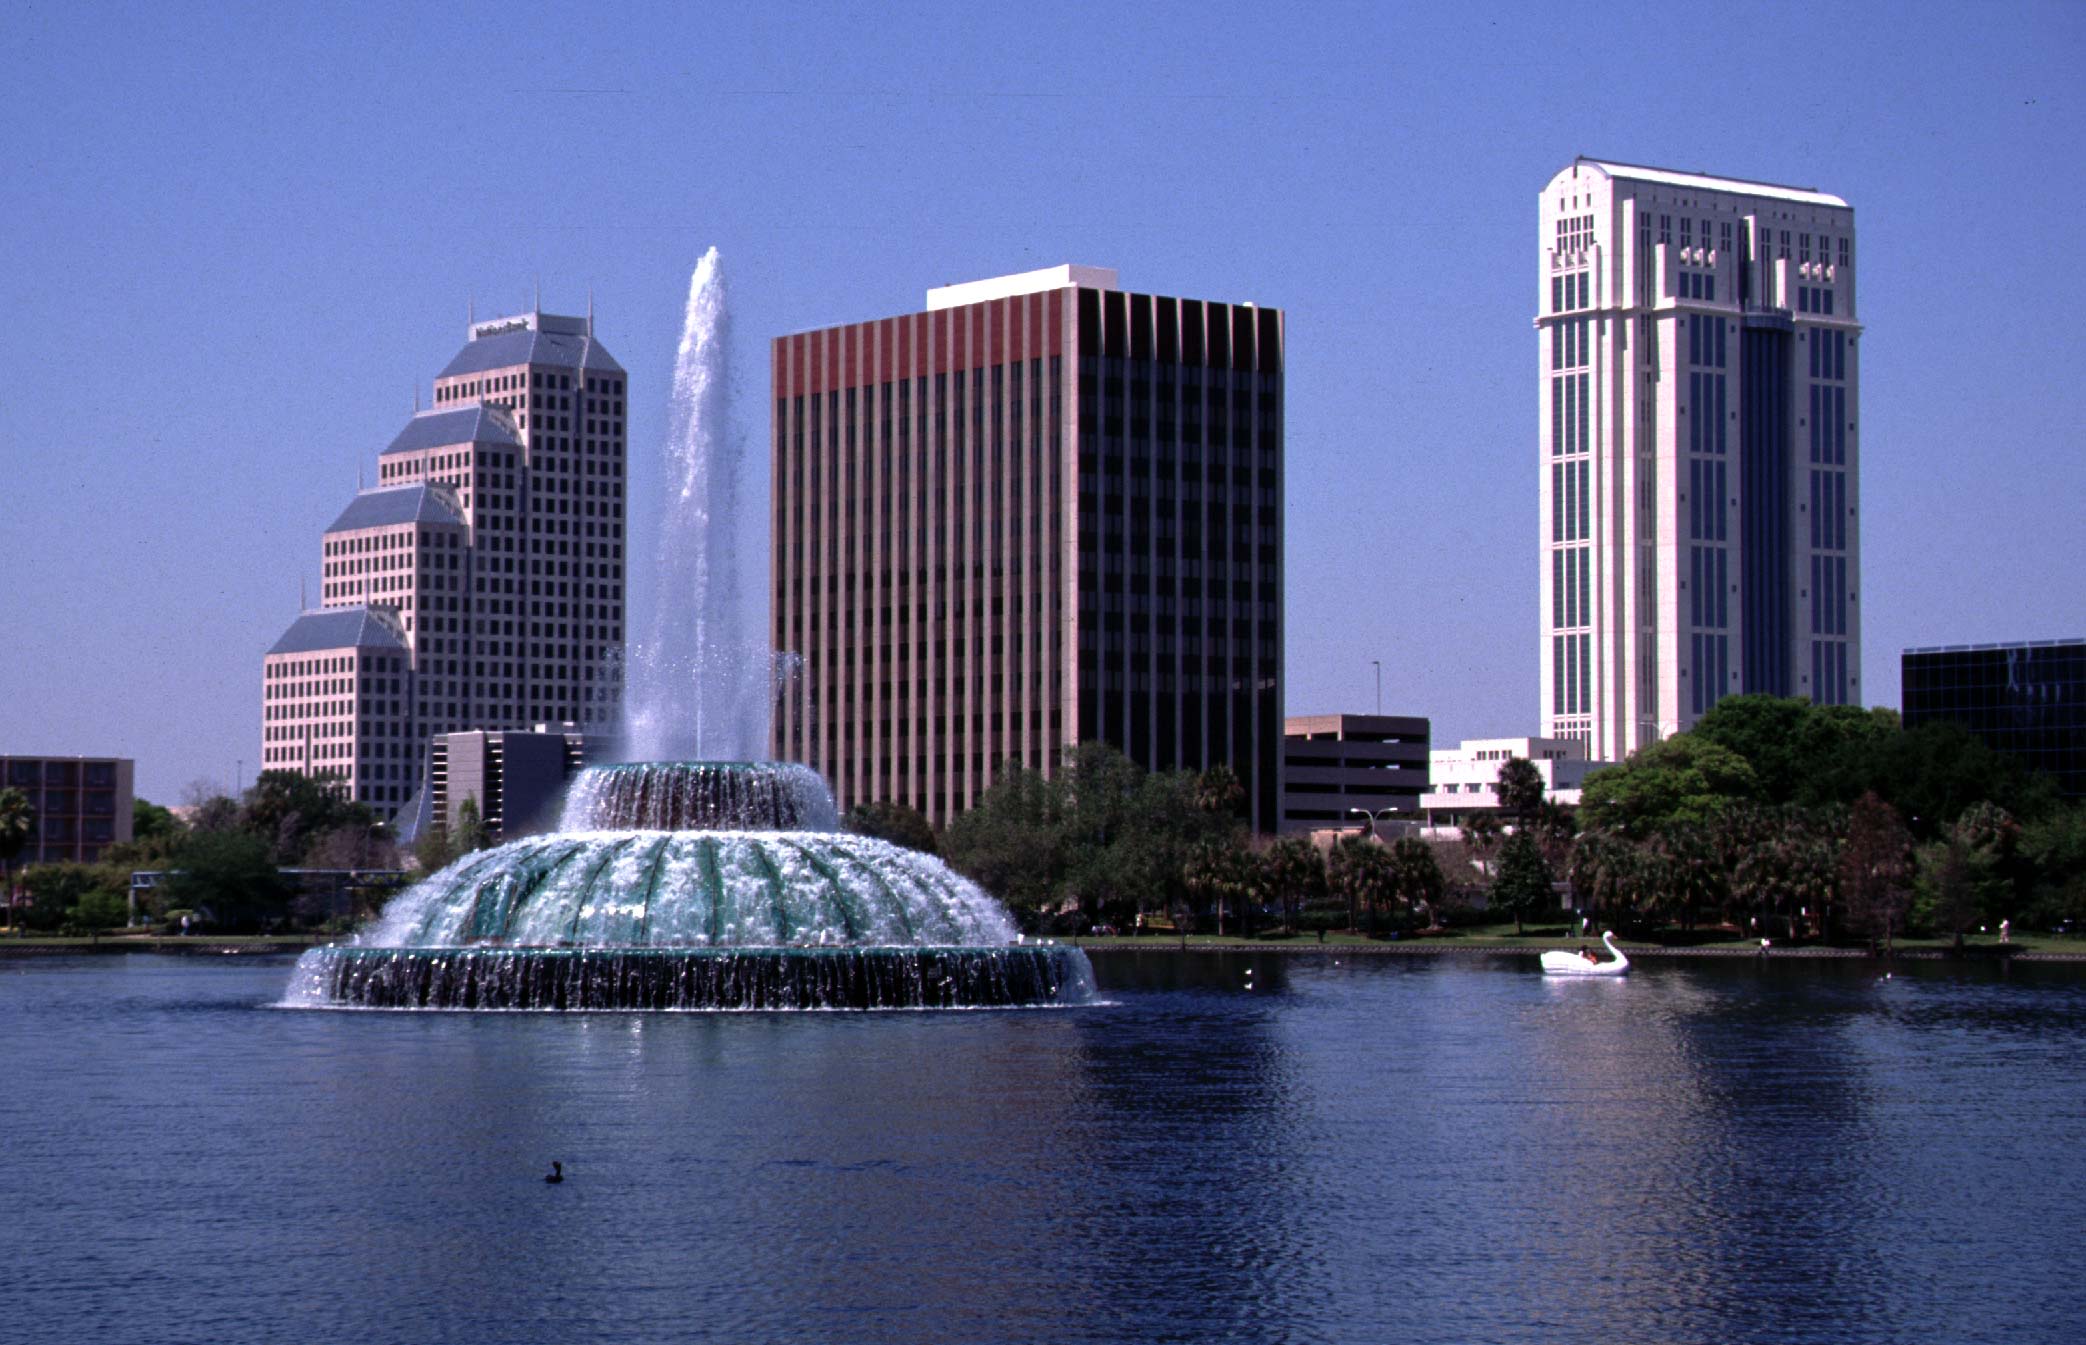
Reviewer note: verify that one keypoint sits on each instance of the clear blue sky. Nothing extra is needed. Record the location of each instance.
(236, 239)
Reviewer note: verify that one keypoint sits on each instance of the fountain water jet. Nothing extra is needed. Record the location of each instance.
(699, 686)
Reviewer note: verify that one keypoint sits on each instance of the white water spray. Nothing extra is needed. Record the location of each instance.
(698, 687)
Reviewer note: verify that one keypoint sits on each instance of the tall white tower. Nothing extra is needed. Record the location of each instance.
(1699, 377)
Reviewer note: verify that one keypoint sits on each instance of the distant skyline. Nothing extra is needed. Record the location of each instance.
(241, 242)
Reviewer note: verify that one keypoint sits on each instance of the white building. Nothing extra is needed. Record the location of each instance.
(1699, 390)
(1465, 778)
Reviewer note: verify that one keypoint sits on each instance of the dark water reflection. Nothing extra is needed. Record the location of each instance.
(1360, 1150)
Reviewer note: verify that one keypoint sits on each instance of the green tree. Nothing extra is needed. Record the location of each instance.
(469, 833)
(232, 877)
(1961, 880)
(1012, 842)
(1297, 872)
(1523, 887)
(1416, 875)
(1217, 790)
(1876, 868)
(17, 825)
(1668, 875)
(1932, 773)
(2052, 853)
(1221, 874)
(1679, 781)
(1599, 870)
(287, 809)
(101, 909)
(1555, 828)
(1782, 878)
(1520, 788)
(149, 821)
(1360, 872)
(898, 823)
(79, 895)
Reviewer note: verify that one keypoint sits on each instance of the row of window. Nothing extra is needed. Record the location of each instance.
(1571, 501)
(1696, 285)
(1571, 415)
(1814, 299)
(1706, 345)
(1829, 680)
(1571, 676)
(1571, 343)
(1829, 596)
(1712, 670)
(1709, 587)
(1574, 233)
(1708, 427)
(1829, 511)
(1828, 355)
(1707, 483)
(1569, 293)
(1688, 234)
(1571, 587)
(1828, 424)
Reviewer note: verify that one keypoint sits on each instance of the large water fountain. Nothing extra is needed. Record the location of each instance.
(694, 884)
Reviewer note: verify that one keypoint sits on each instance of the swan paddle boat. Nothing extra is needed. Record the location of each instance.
(1561, 962)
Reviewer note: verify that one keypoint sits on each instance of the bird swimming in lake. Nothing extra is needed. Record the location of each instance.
(557, 1172)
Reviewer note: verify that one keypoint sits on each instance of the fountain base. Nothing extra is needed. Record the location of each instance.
(717, 979)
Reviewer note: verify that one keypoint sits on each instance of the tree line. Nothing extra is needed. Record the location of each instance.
(1102, 844)
(1771, 817)
(222, 865)
(1796, 820)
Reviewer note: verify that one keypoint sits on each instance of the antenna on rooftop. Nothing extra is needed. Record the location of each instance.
(470, 312)
(300, 594)
(536, 305)
(590, 310)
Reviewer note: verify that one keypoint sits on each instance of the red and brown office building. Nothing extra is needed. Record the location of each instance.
(1044, 511)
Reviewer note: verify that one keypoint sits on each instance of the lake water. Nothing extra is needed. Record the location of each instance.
(1374, 1149)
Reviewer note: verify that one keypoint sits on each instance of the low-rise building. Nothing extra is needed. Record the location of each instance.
(1335, 767)
(81, 805)
(1465, 779)
(516, 777)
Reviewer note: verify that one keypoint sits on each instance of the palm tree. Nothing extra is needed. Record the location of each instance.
(1296, 869)
(1555, 830)
(1416, 875)
(1599, 868)
(1360, 870)
(1690, 872)
(17, 825)
(1520, 787)
(1217, 790)
(1481, 830)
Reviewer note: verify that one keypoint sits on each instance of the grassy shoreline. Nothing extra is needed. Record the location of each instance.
(1483, 942)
